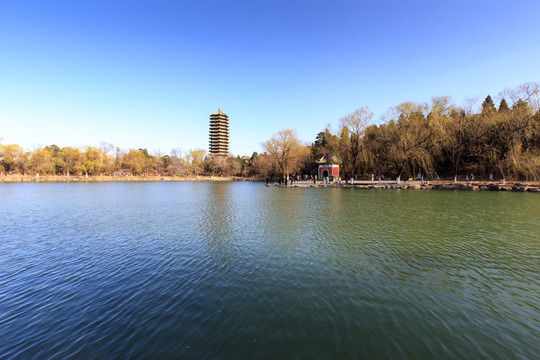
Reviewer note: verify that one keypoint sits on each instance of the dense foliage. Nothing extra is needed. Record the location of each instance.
(443, 140)
(436, 140)
(440, 140)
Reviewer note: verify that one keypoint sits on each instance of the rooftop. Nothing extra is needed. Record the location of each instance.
(219, 112)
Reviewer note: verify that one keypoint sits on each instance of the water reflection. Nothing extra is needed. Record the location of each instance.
(217, 221)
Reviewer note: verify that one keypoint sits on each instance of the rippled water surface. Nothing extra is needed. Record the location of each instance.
(239, 270)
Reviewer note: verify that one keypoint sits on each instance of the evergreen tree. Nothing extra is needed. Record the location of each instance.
(488, 106)
(503, 106)
(320, 140)
(520, 105)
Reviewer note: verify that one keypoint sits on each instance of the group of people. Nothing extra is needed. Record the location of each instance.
(290, 180)
(285, 181)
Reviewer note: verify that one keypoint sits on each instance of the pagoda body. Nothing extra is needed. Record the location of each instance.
(219, 134)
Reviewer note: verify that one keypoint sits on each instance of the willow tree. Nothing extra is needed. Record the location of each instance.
(412, 137)
(135, 161)
(376, 144)
(283, 148)
(515, 129)
(454, 139)
(262, 165)
(352, 130)
(12, 157)
(69, 159)
(196, 161)
(93, 160)
(42, 161)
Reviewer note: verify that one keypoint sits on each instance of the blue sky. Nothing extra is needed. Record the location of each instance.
(148, 73)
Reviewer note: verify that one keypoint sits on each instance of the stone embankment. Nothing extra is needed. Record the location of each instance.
(427, 185)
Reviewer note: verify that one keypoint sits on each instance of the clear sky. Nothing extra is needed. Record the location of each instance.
(148, 73)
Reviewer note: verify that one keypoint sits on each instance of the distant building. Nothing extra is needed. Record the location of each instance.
(328, 167)
(326, 171)
(219, 134)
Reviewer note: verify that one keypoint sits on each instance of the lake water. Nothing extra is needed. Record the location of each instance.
(238, 270)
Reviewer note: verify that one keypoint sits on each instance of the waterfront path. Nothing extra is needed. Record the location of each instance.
(423, 185)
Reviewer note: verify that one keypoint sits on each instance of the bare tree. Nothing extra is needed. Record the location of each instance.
(107, 148)
(470, 105)
(283, 147)
(528, 92)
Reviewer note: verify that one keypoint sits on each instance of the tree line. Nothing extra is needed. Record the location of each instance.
(431, 140)
(103, 160)
(436, 140)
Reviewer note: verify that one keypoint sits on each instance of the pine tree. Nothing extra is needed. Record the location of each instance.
(503, 106)
(488, 106)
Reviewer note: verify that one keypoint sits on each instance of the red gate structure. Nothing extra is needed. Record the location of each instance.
(327, 171)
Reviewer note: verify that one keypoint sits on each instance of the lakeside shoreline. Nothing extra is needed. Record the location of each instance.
(108, 178)
(516, 186)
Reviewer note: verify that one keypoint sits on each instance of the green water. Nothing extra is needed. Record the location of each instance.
(239, 270)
